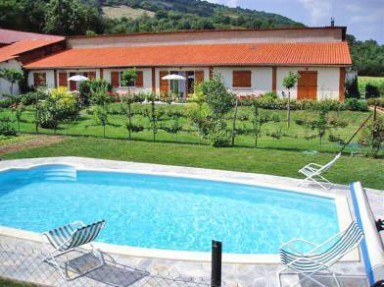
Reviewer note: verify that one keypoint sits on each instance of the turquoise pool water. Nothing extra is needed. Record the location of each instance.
(164, 212)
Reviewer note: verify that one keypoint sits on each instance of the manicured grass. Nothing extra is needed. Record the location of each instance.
(363, 81)
(12, 140)
(264, 161)
(10, 283)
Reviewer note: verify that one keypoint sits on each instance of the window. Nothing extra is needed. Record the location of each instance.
(139, 82)
(242, 79)
(39, 79)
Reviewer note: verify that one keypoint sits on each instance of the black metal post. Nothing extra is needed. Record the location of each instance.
(216, 263)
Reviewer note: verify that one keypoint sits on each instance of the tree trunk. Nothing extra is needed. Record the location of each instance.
(129, 121)
(234, 124)
(289, 109)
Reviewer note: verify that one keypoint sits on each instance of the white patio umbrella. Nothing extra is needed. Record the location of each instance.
(78, 78)
(174, 77)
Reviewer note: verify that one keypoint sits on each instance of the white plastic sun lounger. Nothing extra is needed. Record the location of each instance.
(314, 173)
(321, 257)
(67, 238)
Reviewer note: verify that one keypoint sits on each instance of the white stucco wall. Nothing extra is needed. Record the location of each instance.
(261, 81)
(5, 86)
(327, 81)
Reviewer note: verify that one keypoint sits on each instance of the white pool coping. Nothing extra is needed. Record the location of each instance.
(288, 184)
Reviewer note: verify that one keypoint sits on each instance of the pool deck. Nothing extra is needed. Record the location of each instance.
(243, 273)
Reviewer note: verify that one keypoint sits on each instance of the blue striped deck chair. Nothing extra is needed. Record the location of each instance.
(320, 258)
(67, 238)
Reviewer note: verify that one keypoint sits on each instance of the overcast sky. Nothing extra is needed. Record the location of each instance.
(363, 18)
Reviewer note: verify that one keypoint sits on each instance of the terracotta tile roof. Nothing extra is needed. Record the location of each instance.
(332, 53)
(11, 36)
(11, 51)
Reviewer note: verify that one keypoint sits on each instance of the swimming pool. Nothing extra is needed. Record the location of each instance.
(160, 212)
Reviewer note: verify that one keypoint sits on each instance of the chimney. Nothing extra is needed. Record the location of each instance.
(332, 22)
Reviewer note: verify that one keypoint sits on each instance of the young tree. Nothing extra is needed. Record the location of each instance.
(12, 75)
(220, 102)
(289, 82)
(128, 78)
(18, 109)
(198, 112)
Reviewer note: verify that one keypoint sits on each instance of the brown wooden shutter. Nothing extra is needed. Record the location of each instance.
(307, 85)
(36, 79)
(242, 79)
(115, 79)
(72, 84)
(92, 75)
(63, 79)
(199, 77)
(139, 80)
(164, 84)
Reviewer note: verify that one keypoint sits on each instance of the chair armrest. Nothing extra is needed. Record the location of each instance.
(313, 165)
(77, 224)
(288, 245)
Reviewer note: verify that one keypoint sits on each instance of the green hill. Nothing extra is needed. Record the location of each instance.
(173, 15)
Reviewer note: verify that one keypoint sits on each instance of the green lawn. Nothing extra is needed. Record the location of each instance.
(10, 283)
(267, 161)
(363, 81)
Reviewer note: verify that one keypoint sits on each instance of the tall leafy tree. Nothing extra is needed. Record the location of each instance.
(71, 17)
(9, 15)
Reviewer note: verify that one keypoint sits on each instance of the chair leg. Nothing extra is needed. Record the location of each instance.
(51, 259)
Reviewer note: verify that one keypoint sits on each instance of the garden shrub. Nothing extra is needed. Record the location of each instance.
(373, 136)
(220, 136)
(371, 91)
(88, 88)
(330, 105)
(31, 97)
(59, 105)
(6, 128)
(6, 103)
(355, 105)
(376, 102)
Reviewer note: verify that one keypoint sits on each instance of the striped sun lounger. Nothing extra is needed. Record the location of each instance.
(321, 257)
(69, 237)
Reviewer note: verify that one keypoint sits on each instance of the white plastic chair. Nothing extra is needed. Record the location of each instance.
(313, 173)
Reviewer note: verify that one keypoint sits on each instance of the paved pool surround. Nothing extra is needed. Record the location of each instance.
(239, 268)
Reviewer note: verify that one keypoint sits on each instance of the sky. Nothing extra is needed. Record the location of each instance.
(364, 18)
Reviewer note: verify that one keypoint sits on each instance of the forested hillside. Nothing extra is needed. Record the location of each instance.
(80, 17)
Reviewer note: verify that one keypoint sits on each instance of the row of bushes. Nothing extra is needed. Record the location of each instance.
(271, 102)
(376, 102)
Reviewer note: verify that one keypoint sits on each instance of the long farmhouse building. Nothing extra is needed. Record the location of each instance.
(250, 62)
